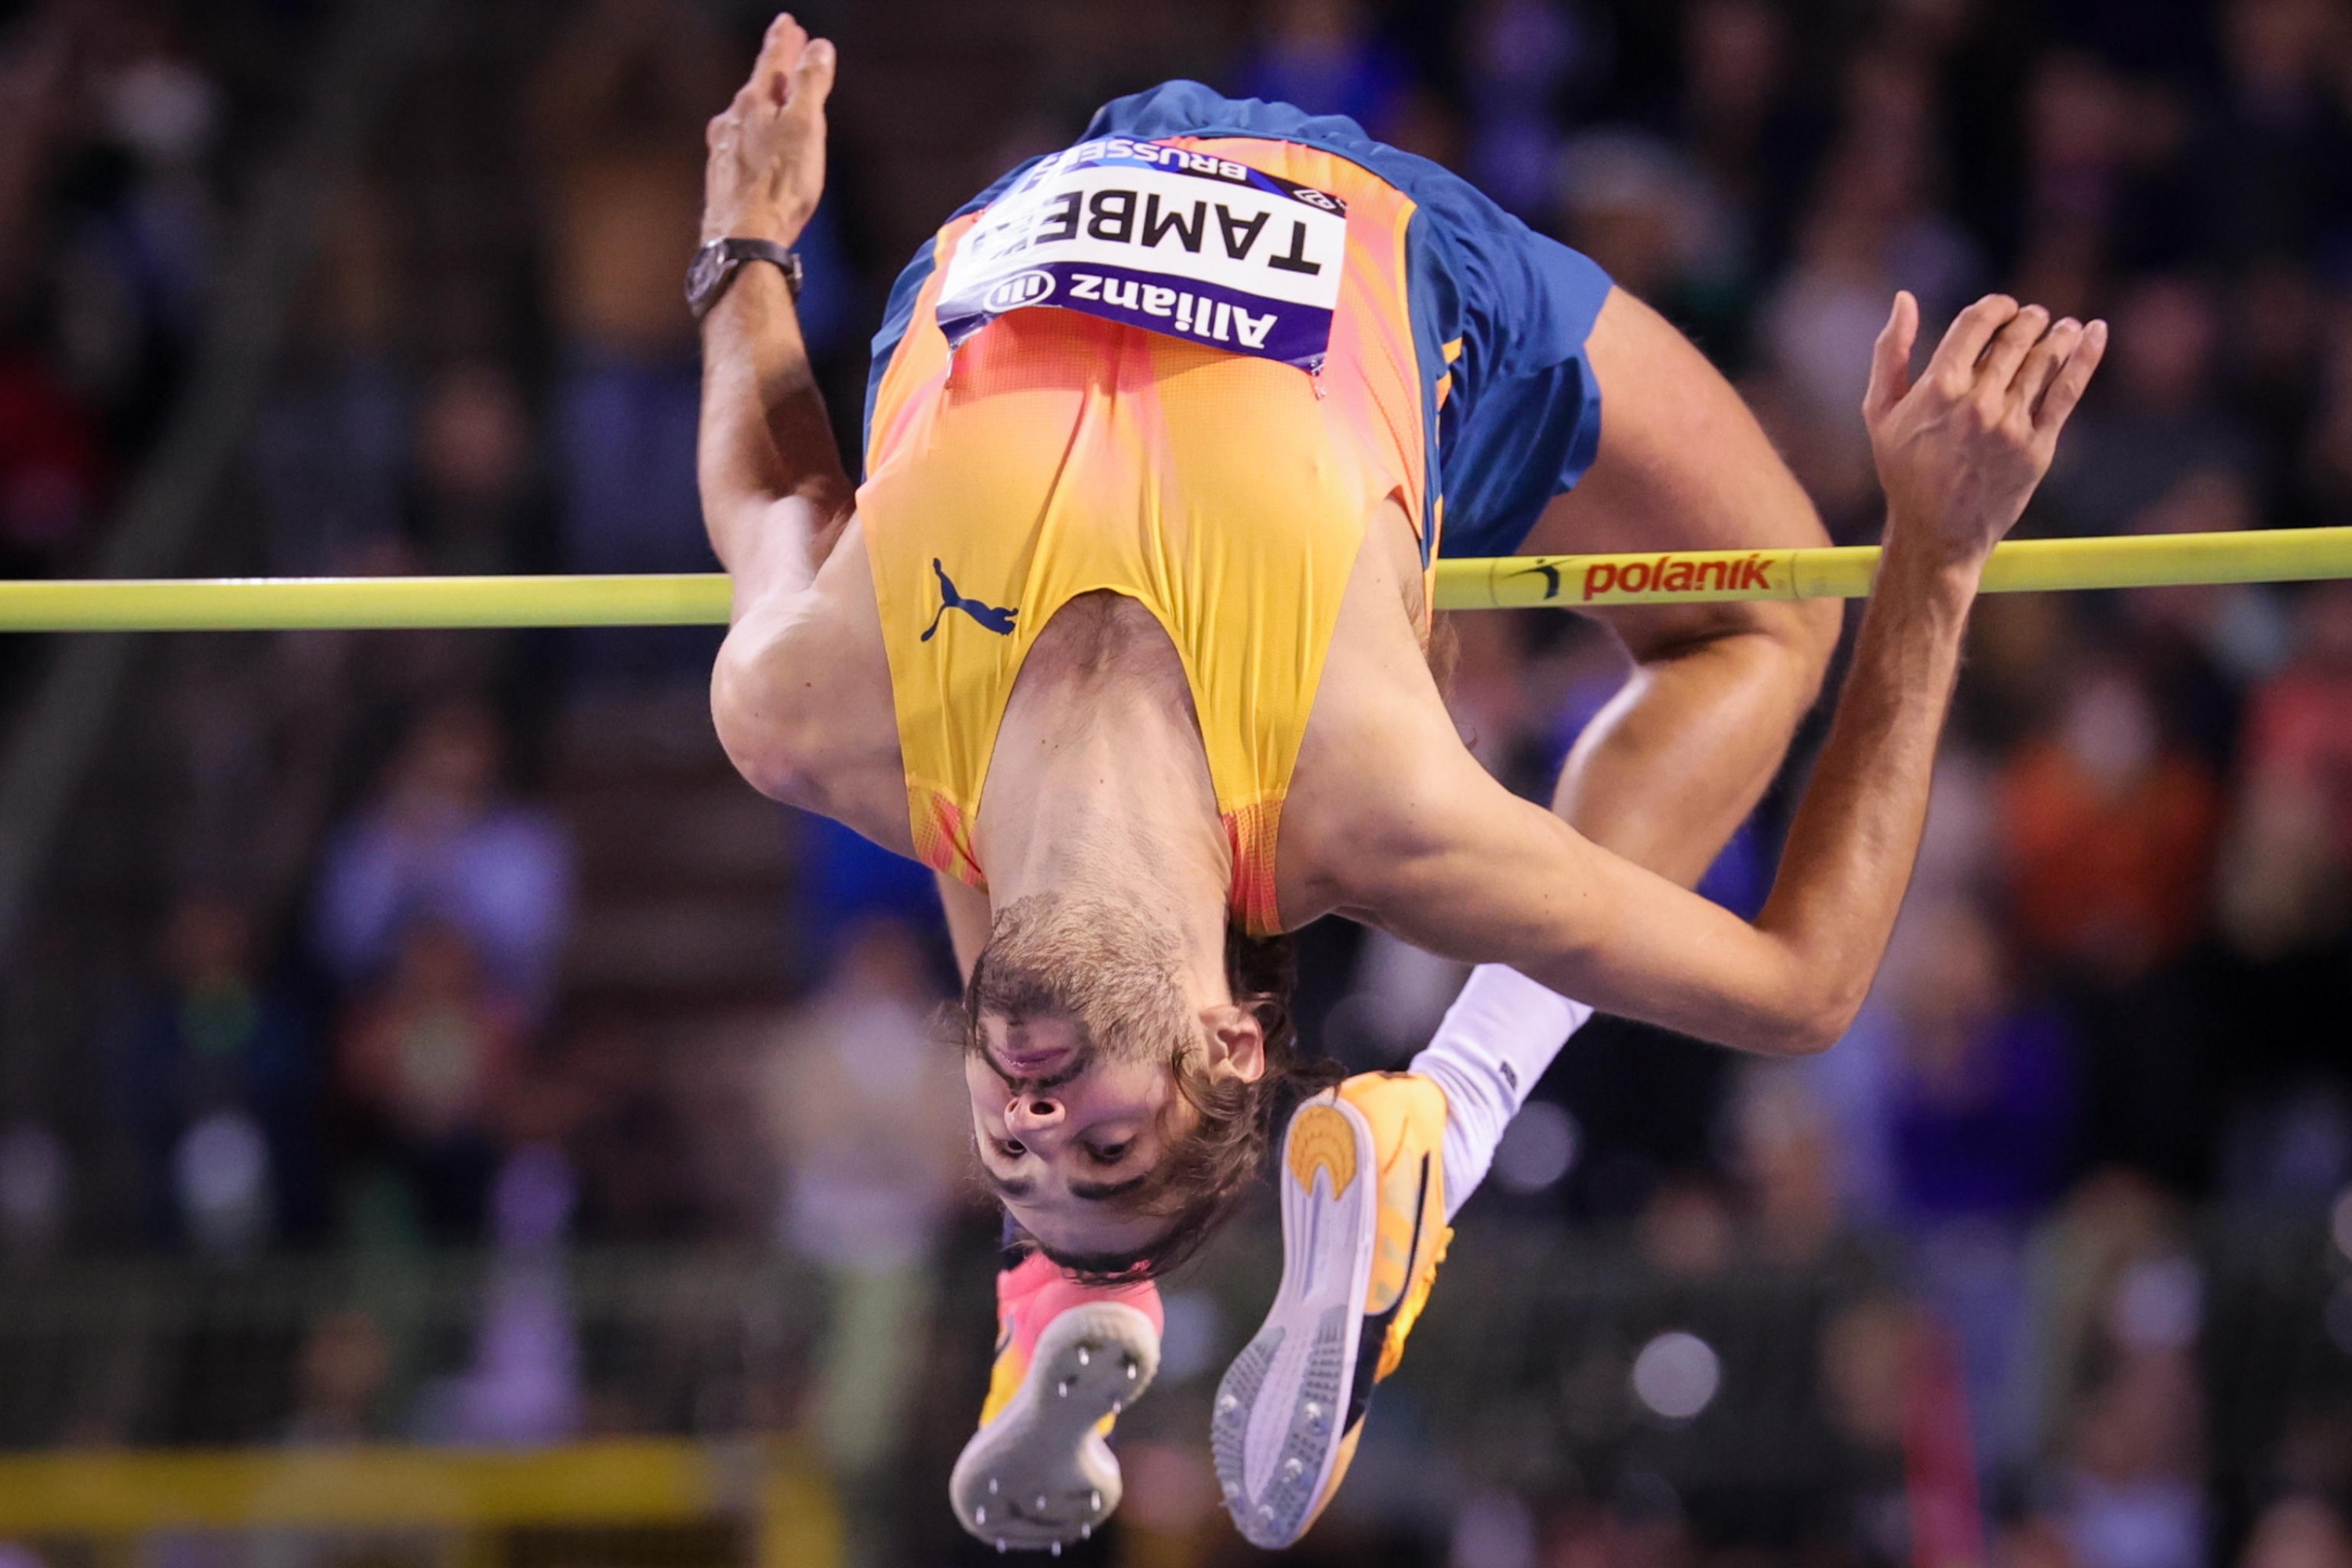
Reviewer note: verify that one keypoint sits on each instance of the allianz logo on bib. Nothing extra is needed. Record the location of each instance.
(1033, 287)
(1212, 321)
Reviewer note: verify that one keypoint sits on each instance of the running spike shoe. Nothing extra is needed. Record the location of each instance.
(1069, 1357)
(1363, 1230)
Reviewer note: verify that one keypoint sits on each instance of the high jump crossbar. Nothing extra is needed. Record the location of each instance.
(1562, 581)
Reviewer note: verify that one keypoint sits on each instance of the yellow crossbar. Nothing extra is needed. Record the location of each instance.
(615, 1482)
(1566, 582)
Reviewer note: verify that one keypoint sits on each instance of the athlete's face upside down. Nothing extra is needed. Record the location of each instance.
(1116, 1114)
(1070, 1134)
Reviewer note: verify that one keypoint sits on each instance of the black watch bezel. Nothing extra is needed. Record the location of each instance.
(716, 264)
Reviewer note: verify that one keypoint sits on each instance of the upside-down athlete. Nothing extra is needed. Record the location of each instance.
(1125, 634)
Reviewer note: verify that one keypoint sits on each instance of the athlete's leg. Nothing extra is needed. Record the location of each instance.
(1496, 1040)
(1673, 765)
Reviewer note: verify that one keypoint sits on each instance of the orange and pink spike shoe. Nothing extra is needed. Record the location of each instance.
(1069, 1357)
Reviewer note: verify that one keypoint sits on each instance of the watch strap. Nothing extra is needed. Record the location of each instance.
(730, 255)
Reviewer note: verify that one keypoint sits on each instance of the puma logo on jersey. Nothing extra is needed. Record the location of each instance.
(999, 621)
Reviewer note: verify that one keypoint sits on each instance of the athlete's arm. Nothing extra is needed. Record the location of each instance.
(1467, 870)
(774, 495)
(1678, 759)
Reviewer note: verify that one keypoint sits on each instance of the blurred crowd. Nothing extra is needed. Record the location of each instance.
(383, 992)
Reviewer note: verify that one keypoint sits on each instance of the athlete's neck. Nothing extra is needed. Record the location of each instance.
(1099, 780)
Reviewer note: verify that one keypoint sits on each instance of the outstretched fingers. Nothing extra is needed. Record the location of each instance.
(1998, 373)
(1890, 358)
(812, 78)
(2034, 377)
(1954, 362)
(780, 50)
(2066, 389)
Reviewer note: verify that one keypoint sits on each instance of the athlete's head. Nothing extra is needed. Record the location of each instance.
(1120, 1110)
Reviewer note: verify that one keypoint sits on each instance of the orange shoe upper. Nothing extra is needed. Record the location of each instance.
(1032, 1294)
(1407, 1113)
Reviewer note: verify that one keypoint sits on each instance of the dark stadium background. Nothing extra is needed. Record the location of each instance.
(422, 1040)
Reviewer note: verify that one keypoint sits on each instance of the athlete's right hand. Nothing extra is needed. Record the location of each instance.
(766, 169)
(1960, 453)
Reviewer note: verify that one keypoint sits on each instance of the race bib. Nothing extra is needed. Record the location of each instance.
(1175, 241)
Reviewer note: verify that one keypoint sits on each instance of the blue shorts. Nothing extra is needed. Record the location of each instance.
(1502, 308)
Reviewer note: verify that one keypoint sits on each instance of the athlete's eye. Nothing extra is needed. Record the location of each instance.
(1111, 1155)
(1012, 1149)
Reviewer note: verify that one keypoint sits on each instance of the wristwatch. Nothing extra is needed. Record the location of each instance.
(716, 264)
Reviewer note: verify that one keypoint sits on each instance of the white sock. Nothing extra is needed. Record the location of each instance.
(1496, 1040)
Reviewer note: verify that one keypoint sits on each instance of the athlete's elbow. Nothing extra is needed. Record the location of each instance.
(755, 722)
(1822, 1020)
(1811, 1016)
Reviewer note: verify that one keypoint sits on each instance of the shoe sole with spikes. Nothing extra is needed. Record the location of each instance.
(1040, 1476)
(1278, 1432)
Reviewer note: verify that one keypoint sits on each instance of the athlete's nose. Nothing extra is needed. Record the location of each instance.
(1028, 1112)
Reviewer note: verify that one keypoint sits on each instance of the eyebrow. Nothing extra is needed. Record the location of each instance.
(1017, 1188)
(1021, 1188)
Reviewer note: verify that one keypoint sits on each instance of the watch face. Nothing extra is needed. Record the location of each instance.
(710, 267)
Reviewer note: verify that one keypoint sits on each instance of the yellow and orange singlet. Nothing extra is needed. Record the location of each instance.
(1055, 453)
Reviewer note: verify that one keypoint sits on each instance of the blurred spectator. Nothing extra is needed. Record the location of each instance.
(1687, 1229)
(345, 1366)
(2156, 419)
(1789, 1153)
(1636, 207)
(523, 1387)
(1324, 57)
(1741, 119)
(476, 507)
(1872, 226)
(617, 111)
(427, 1061)
(1521, 57)
(2286, 871)
(50, 462)
(51, 473)
(36, 1177)
(2107, 833)
(606, 1101)
(440, 842)
(2298, 1532)
(330, 446)
(2323, 471)
(218, 1057)
(2200, 645)
(2114, 1222)
(2037, 1540)
(2272, 159)
(2106, 841)
(2133, 1497)
(1964, 1093)
(866, 1104)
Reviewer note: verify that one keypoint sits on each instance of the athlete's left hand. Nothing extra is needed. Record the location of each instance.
(767, 148)
(1961, 452)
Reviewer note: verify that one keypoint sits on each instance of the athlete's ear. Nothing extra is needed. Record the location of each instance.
(1236, 1042)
